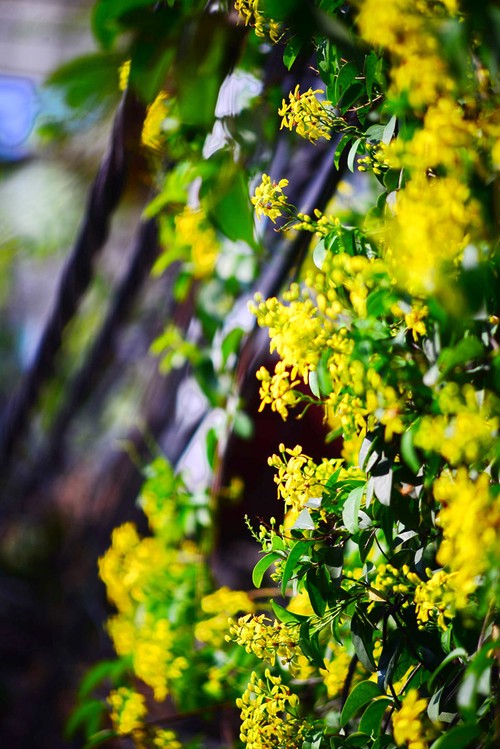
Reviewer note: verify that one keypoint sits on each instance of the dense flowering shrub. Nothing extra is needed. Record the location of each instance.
(386, 562)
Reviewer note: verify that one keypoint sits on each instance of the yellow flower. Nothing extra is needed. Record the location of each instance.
(250, 11)
(337, 668)
(266, 722)
(265, 638)
(278, 389)
(470, 519)
(414, 320)
(405, 29)
(429, 231)
(299, 478)
(406, 722)
(222, 604)
(128, 710)
(269, 199)
(156, 113)
(166, 739)
(306, 114)
(435, 599)
(123, 75)
(193, 231)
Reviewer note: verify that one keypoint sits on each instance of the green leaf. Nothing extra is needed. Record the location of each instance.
(231, 210)
(382, 481)
(313, 384)
(343, 142)
(262, 566)
(110, 669)
(350, 513)
(389, 130)
(316, 596)
(107, 16)
(304, 521)
(100, 738)
(361, 695)
(231, 343)
(408, 451)
(456, 653)
(202, 63)
(319, 254)
(365, 544)
(309, 644)
(287, 617)
(300, 549)
(277, 544)
(371, 63)
(477, 680)
(346, 76)
(361, 633)
(357, 739)
(392, 179)
(86, 82)
(243, 425)
(324, 379)
(371, 720)
(292, 51)
(352, 153)
(374, 132)
(212, 441)
(87, 716)
(458, 737)
(465, 350)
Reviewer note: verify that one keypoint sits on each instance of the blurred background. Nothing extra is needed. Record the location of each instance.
(82, 404)
(59, 499)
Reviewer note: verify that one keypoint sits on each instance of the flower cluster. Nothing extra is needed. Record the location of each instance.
(299, 478)
(470, 520)
(405, 29)
(268, 718)
(267, 639)
(337, 665)
(128, 710)
(193, 231)
(307, 114)
(407, 722)
(269, 199)
(152, 135)
(221, 605)
(136, 572)
(252, 14)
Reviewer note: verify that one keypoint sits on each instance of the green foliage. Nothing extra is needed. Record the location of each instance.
(380, 627)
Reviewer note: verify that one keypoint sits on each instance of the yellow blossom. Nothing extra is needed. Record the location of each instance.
(463, 437)
(164, 738)
(307, 114)
(414, 320)
(407, 724)
(193, 231)
(429, 231)
(470, 519)
(337, 668)
(266, 638)
(156, 113)
(128, 710)
(299, 478)
(269, 199)
(266, 719)
(251, 13)
(221, 604)
(434, 599)
(123, 75)
(405, 29)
